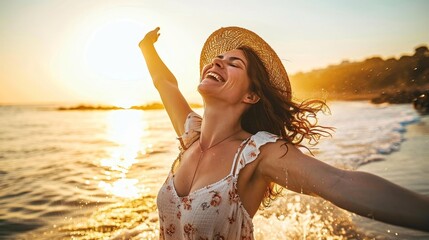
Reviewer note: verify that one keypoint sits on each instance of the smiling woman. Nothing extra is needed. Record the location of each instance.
(253, 129)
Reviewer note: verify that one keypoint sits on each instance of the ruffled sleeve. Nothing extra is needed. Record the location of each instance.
(251, 150)
(192, 131)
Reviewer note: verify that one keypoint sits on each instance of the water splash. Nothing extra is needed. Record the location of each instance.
(295, 216)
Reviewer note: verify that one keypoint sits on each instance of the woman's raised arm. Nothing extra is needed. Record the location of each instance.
(165, 82)
(359, 192)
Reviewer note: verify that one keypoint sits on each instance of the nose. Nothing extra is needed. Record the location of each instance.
(218, 62)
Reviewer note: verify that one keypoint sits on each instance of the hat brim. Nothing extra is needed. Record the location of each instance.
(230, 38)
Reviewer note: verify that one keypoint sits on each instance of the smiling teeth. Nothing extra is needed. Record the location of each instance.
(218, 78)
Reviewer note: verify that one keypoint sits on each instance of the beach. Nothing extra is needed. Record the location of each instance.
(409, 168)
(95, 174)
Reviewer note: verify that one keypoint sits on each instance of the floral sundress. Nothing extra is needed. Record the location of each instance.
(214, 211)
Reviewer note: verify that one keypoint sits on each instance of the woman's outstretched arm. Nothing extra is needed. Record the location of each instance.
(165, 82)
(359, 192)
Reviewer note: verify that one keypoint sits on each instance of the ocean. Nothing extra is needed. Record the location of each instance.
(95, 174)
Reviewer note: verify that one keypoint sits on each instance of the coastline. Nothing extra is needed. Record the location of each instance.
(408, 168)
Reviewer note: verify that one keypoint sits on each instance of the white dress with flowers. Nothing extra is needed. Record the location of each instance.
(214, 211)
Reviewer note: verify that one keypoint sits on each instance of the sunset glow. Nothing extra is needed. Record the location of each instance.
(87, 52)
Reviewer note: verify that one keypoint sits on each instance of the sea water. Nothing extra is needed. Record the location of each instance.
(95, 174)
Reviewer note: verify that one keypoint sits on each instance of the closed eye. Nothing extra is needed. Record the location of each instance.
(236, 63)
(232, 61)
(238, 60)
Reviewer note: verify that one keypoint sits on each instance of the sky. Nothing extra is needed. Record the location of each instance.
(86, 51)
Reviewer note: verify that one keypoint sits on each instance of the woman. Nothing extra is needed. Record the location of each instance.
(247, 140)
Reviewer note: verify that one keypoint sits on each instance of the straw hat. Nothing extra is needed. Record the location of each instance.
(230, 38)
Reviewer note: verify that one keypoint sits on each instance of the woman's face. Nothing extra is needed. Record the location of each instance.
(226, 77)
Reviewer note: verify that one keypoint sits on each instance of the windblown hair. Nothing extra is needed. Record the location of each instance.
(275, 113)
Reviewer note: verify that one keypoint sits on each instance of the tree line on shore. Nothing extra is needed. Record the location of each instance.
(406, 76)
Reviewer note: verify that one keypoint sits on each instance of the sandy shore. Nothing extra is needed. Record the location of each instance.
(409, 167)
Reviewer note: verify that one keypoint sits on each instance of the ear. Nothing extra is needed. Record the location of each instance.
(251, 98)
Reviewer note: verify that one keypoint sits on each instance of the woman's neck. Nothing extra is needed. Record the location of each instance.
(219, 122)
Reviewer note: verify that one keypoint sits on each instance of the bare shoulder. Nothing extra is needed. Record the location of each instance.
(275, 156)
(279, 149)
(286, 165)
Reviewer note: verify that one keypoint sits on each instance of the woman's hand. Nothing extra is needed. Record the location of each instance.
(150, 38)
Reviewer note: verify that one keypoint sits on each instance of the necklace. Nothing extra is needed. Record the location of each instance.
(202, 152)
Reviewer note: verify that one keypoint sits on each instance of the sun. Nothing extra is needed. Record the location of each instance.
(124, 103)
(111, 50)
(114, 62)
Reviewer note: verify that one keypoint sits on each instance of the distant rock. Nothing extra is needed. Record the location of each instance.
(83, 107)
(156, 105)
(421, 103)
(150, 106)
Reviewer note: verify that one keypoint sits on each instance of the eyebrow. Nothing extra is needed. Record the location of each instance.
(232, 59)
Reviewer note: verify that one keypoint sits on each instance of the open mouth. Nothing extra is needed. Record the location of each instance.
(215, 76)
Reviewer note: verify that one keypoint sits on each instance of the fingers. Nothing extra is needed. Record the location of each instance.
(156, 30)
(154, 34)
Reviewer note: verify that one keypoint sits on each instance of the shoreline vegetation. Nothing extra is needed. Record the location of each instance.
(379, 80)
(150, 106)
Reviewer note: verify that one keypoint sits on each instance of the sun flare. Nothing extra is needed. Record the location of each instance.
(111, 51)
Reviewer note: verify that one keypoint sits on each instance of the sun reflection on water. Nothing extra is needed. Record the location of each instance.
(125, 128)
(123, 187)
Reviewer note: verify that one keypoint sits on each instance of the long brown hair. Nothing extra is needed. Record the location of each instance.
(278, 114)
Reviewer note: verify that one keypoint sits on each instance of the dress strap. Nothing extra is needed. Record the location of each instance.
(250, 150)
(237, 155)
(192, 133)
